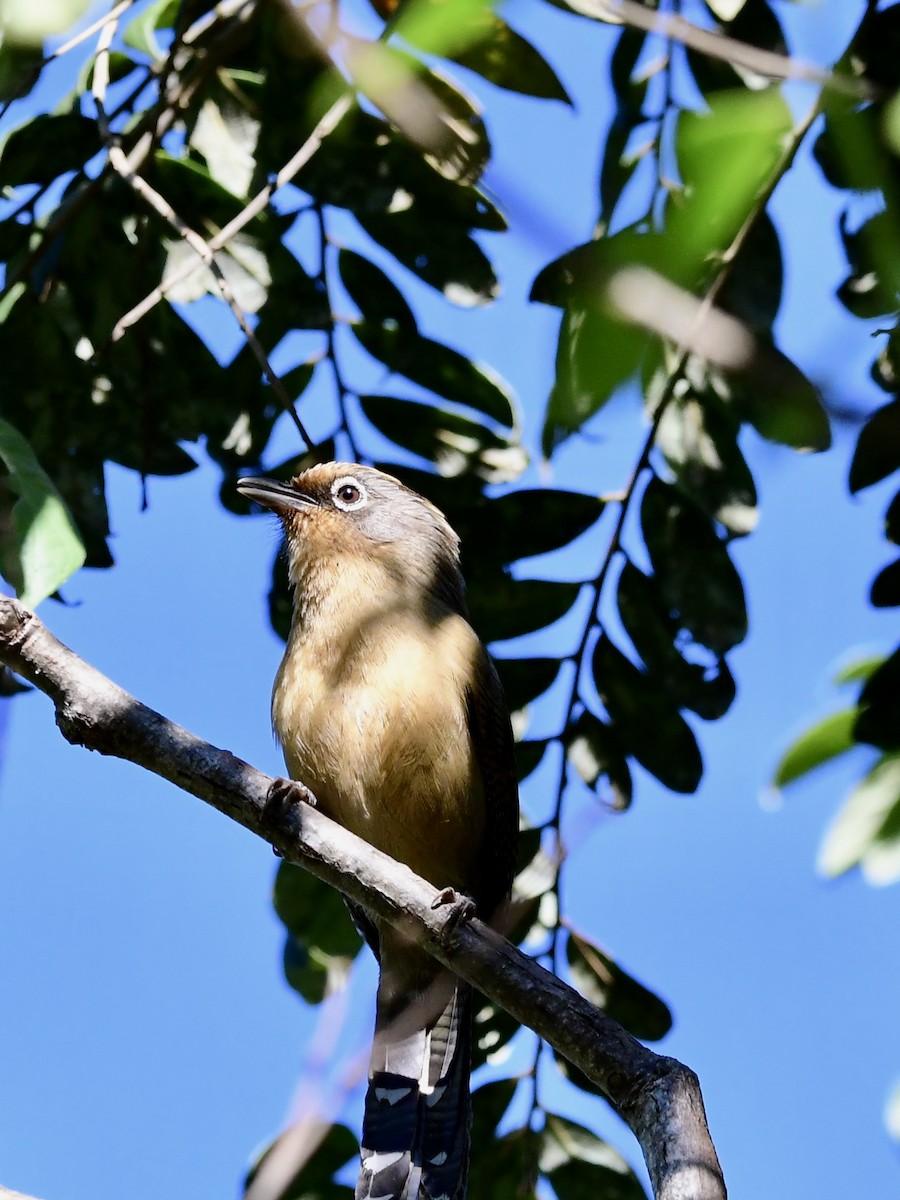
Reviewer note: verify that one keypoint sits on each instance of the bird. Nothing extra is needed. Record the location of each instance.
(390, 710)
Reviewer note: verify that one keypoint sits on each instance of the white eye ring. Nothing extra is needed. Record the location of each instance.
(355, 495)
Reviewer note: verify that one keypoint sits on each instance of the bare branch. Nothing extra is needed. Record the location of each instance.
(658, 1097)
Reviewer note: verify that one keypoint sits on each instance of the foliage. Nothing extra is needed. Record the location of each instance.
(245, 135)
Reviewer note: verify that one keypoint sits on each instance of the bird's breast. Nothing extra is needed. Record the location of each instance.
(375, 722)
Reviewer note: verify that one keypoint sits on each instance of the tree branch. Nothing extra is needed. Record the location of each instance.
(657, 1096)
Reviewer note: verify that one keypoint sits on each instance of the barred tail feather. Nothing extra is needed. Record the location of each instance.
(415, 1143)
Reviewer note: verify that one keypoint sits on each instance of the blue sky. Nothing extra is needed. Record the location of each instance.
(149, 1042)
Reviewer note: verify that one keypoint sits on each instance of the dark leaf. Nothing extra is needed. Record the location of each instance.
(524, 679)
(19, 63)
(596, 753)
(451, 441)
(604, 983)
(697, 579)
(489, 1104)
(629, 93)
(877, 452)
(755, 24)
(581, 1166)
(529, 756)
(535, 521)
(509, 1171)
(707, 690)
(646, 720)
(892, 521)
(441, 370)
(493, 1029)
(445, 256)
(774, 395)
(504, 608)
(375, 295)
(753, 289)
(49, 145)
(506, 59)
(699, 441)
(878, 722)
(885, 591)
(886, 367)
(873, 251)
(616, 169)
(322, 941)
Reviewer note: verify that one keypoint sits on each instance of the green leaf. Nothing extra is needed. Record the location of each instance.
(441, 370)
(504, 58)
(453, 442)
(646, 720)
(43, 548)
(46, 147)
(726, 154)
(376, 296)
(877, 452)
(872, 806)
(596, 753)
(581, 1166)
(604, 983)
(697, 578)
(225, 134)
(140, 33)
(322, 941)
(708, 691)
(505, 608)
(827, 739)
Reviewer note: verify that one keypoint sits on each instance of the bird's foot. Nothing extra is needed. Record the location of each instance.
(461, 907)
(282, 795)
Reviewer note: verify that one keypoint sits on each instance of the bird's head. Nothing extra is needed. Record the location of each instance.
(344, 523)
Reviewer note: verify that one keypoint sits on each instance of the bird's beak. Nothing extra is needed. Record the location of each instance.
(277, 496)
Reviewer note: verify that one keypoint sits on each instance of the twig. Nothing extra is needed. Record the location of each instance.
(658, 1097)
(260, 201)
(121, 164)
(718, 45)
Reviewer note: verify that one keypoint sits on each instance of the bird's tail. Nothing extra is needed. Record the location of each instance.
(415, 1141)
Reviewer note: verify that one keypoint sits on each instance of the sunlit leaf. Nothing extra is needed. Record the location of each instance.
(827, 739)
(581, 1166)
(441, 370)
(861, 821)
(42, 548)
(595, 752)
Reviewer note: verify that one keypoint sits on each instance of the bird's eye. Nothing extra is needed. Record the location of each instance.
(348, 493)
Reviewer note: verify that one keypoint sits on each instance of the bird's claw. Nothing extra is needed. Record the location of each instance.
(462, 907)
(282, 795)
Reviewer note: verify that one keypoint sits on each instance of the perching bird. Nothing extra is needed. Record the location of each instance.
(389, 709)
